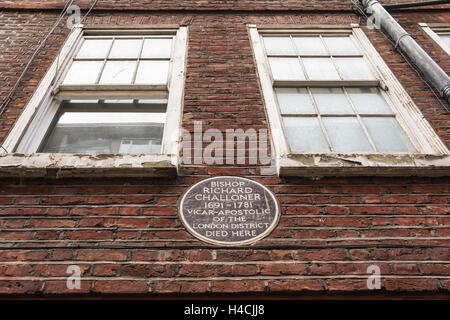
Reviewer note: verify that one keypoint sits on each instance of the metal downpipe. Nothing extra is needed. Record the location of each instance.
(429, 68)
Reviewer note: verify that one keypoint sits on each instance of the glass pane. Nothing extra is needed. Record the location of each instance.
(107, 132)
(118, 72)
(83, 72)
(320, 69)
(118, 101)
(341, 45)
(286, 69)
(387, 134)
(278, 45)
(294, 101)
(354, 69)
(153, 101)
(126, 48)
(346, 135)
(77, 118)
(157, 48)
(304, 134)
(152, 72)
(94, 49)
(331, 101)
(368, 100)
(139, 146)
(83, 101)
(310, 46)
(446, 39)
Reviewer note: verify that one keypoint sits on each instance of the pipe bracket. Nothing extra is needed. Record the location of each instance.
(400, 38)
(369, 3)
(446, 92)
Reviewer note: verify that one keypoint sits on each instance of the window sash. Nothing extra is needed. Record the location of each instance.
(118, 91)
(102, 106)
(104, 61)
(308, 83)
(359, 116)
(27, 132)
(158, 106)
(417, 129)
(317, 82)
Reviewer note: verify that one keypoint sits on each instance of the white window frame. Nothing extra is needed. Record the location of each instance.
(30, 128)
(432, 157)
(433, 30)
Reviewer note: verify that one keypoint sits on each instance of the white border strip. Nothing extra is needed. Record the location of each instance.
(435, 37)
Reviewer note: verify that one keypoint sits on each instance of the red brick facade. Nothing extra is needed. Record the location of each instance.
(125, 234)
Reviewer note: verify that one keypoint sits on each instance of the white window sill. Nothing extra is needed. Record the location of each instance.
(364, 165)
(54, 165)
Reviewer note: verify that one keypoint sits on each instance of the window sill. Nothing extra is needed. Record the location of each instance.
(53, 165)
(364, 165)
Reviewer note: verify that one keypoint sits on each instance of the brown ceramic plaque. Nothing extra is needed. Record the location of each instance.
(229, 211)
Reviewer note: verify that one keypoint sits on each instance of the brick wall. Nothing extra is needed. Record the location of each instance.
(188, 5)
(126, 236)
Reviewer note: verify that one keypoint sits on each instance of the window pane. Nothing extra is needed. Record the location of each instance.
(94, 49)
(82, 101)
(331, 101)
(368, 100)
(341, 45)
(387, 134)
(107, 132)
(152, 101)
(157, 48)
(152, 72)
(310, 46)
(278, 45)
(83, 72)
(118, 101)
(304, 134)
(320, 69)
(346, 134)
(77, 118)
(294, 101)
(286, 69)
(446, 39)
(139, 146)
(118, 72)
(126, 48)
(354, 69)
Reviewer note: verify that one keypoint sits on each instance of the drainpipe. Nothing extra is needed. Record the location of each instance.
(430, 69)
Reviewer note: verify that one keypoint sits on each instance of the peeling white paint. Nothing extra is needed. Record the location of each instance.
(373, 164)
(74, 165)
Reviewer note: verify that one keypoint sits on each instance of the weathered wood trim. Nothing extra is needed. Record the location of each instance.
(317, 165)
(50, 165)
(430, 29)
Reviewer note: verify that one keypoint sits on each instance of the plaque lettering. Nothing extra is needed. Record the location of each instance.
(229, 211)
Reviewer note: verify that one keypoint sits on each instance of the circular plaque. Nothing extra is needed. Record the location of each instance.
(229, 210)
